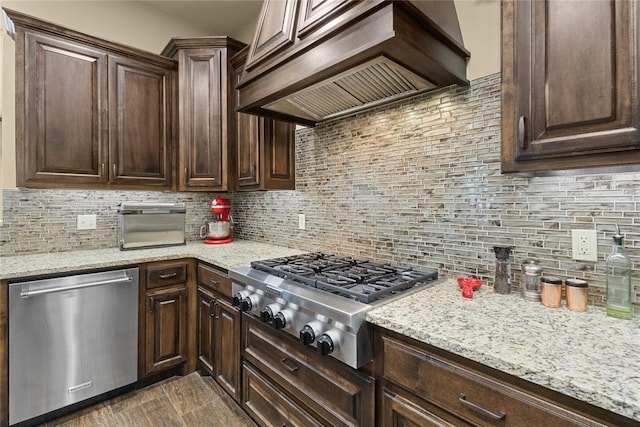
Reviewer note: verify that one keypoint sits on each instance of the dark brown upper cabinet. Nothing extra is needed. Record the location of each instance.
(265, 158)
(90, 113)
(206, 116)
(139, 122)
(569, 85)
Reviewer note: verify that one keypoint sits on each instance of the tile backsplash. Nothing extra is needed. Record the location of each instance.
(417, 183)
(37, 221)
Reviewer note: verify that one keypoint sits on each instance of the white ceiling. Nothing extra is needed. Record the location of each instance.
(219, 16)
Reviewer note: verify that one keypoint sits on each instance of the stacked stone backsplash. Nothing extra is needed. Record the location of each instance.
(37, 221)
(417, 183)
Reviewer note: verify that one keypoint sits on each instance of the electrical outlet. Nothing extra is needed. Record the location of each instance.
(302, 222)
(584, 245)
(86, 222)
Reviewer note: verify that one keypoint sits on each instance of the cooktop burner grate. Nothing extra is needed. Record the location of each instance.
(362, 280)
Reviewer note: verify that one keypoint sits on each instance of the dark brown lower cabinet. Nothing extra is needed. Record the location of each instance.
(399, 410)
(421, 385)
(284, 381)
(269, 406)
(218, 330)
(206, 312)
(166, 326)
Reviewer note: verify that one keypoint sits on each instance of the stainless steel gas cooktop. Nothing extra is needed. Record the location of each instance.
(322, 298)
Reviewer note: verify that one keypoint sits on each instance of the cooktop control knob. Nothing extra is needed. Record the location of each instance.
(282, 319)
(307, 336)
(266, 314)
(309, 332)
(327, 343)
(238, 297)
(249, 302)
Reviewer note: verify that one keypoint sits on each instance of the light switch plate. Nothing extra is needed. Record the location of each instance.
(86, 222)
(302, 222)
(584, 245)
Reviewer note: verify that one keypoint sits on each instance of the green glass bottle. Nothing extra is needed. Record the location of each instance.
(619, 280)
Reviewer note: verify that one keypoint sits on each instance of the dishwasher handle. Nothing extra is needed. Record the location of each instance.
(26, 292)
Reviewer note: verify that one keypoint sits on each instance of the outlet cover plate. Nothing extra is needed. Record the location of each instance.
(584, 245)
(86, 222)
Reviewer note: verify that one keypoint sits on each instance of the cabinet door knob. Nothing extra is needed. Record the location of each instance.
(522, 133)
(168, 275)
(102, 170)
(115, 170)
(151, 304)
(480, 410)
(186, 176)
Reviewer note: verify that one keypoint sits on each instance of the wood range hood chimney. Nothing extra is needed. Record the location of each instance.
(313, 60)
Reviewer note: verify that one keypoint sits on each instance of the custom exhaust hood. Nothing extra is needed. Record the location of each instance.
(313, 60)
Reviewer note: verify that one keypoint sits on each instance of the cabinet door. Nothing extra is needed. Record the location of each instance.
(203, 154)
(61, 97)
(140, 114)
(570, 93)
(275, 30)
(279, 155)
(250, 133)
(314, 13)
(265, 157)
(166, 328)
(206, 313)
(227, 347)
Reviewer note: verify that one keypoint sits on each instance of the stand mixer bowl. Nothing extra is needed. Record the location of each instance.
(216, 230)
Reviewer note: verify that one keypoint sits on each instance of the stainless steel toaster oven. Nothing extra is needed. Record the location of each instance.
(149, 225)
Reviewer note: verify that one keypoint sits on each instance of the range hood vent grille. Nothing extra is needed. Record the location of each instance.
(374, 82)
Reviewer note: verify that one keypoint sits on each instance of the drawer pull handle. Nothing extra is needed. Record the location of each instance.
(168, 276)
(292, 367)
(214, 282)
(479, 409)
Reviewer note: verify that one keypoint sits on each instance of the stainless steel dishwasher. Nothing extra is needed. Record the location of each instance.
(70, 338)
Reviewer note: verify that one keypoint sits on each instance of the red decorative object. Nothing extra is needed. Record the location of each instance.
(469, 281)
(467, 291)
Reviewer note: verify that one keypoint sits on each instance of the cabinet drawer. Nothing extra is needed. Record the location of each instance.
(339, 394)
(164, 275)
(468, 394)
(267, 405)
(214, 279)
(399, 410)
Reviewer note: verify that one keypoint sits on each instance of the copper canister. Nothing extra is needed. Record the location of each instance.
(577, 291)
(551, 291)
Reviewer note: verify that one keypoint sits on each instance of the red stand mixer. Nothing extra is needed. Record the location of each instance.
(219, 230)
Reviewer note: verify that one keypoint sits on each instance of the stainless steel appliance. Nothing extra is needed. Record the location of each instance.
(147, 225)
(71, 338)
(322, 298)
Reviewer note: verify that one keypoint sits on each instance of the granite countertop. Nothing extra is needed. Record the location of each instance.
(588, 356)
(237, 253)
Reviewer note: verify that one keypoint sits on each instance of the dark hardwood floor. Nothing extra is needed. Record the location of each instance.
(189, 401)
